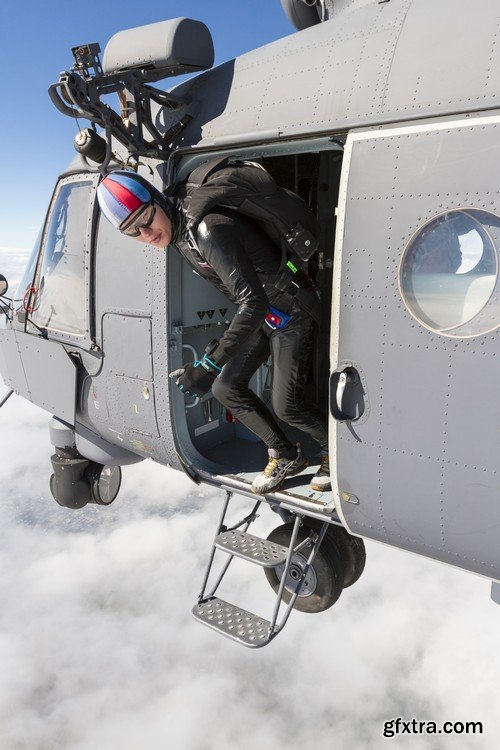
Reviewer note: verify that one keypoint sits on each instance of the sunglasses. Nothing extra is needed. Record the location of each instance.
(143, 220)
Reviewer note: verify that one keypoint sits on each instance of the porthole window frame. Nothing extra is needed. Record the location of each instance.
(408, 244)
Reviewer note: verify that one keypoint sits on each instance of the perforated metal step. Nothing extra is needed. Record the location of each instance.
(253, 548)
(234, 622)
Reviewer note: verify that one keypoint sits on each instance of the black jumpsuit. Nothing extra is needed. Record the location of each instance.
(236, 256)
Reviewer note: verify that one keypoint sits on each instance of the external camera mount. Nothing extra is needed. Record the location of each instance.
(133, 60)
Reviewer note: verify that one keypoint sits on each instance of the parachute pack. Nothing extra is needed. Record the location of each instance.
(248, 188)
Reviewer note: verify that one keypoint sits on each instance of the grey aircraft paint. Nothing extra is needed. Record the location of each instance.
(370, 64)
(422, 459)
(418, 118)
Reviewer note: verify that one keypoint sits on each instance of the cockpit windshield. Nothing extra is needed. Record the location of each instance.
(60, 302)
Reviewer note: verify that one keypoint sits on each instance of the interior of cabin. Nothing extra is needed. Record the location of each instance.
(211, 437)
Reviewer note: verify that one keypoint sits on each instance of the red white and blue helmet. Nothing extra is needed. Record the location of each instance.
(122, 192)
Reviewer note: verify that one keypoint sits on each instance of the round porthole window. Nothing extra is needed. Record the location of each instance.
(448, 274)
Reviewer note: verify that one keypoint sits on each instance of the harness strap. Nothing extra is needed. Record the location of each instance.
(200, 175)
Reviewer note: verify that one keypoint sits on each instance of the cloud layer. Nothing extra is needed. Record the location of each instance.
(12, 264)
(98, 648)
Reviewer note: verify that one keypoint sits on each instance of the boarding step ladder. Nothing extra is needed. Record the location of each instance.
(232, 621)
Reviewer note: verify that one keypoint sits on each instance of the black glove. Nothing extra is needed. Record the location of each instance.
(196, 379)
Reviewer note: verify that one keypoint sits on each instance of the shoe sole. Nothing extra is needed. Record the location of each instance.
(278, 486)
(324, 488)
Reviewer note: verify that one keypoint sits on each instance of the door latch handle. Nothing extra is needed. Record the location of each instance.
(340, 389)
(346, 395)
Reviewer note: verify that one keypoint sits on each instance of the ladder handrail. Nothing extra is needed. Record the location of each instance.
(281, 588)
(308, 564)
(246, 522)
(212, 555)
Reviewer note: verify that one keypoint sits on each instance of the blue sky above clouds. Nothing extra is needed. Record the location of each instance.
(35, 46)
(97, 645)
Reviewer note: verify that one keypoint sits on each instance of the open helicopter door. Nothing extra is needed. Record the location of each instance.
(414, 390)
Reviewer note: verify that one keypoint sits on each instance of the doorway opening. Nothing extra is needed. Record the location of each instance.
(209, 438)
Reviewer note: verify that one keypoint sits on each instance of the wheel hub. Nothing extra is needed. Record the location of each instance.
(295, 571)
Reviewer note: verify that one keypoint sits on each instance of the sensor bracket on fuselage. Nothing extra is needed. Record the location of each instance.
(133, 59)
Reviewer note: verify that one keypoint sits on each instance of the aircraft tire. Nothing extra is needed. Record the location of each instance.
(351, 549)
(324, 582)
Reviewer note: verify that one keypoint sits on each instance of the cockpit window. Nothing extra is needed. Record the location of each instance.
(449, 273)
(60, 299)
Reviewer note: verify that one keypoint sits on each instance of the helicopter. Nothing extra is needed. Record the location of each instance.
(373, 113)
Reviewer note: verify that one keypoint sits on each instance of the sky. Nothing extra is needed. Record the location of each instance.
(35, 46)
(97, 645)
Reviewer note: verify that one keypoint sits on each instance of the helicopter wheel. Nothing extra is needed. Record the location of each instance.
(324, 580)
(76, 482)
(350, 548)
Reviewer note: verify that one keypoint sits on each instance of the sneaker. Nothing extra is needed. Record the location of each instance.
(321, 480)
(277, 470)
